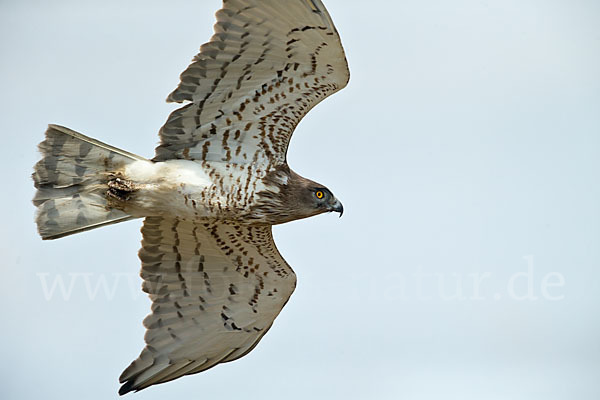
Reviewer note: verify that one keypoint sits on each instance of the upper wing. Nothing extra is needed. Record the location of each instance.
(215, 288)
(268, 63)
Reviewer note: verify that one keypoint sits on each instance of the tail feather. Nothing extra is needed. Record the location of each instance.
(72, 180)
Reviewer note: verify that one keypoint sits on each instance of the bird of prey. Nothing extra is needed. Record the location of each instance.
(218, 182)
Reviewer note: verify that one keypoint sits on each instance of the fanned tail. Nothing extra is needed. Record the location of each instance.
(72, 181)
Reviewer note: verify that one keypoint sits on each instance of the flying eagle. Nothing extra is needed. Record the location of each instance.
(218, 182)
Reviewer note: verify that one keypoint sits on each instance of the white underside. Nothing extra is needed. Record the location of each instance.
(189, 189)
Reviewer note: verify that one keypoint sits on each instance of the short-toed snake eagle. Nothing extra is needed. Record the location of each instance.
(218, 182)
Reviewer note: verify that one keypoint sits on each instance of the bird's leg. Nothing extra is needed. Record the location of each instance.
(119, 188)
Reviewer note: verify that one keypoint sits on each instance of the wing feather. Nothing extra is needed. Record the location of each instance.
(216, 288)
(268, 63)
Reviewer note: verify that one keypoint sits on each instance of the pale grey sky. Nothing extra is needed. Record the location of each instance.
(466, 152)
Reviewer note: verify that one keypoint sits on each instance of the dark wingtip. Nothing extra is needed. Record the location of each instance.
(126, 388)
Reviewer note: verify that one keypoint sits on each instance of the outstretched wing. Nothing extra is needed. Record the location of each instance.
(268, 63)
(215, 289)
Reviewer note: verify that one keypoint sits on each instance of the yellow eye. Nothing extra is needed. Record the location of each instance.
(319, 194)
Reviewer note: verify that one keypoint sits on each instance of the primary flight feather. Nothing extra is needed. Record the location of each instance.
(218, 182)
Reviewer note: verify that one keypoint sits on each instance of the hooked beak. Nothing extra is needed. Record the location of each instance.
(338, 207)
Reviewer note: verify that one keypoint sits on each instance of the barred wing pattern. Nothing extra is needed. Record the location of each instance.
(268, 63)
(216, 288)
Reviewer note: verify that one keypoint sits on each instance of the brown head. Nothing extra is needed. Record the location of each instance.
(290, 197)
